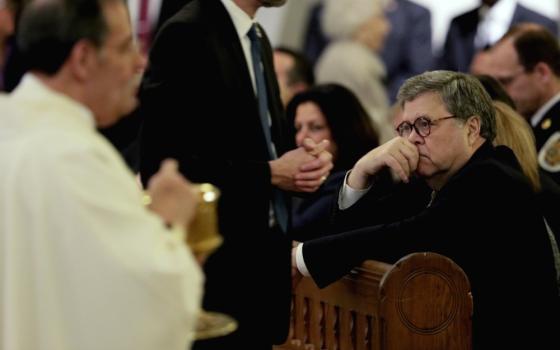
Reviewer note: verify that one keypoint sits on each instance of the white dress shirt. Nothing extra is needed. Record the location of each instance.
(243, 23)
(83, 264)
(539, 114)
(494, 22)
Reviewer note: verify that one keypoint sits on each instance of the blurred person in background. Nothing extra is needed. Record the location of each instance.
(481, 27)
(408, 47)
(293, 71)
(357, 30)
(407, 50)
(526, 61)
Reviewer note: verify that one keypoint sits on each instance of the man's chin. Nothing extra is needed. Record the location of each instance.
(423, 172)
(273, 3)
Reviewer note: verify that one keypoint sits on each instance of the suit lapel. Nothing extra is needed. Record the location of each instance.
(232, 60)
(236, 72)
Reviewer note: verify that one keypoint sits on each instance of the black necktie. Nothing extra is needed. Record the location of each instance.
(279, 201)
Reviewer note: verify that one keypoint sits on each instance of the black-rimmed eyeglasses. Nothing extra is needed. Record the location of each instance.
(422, 126)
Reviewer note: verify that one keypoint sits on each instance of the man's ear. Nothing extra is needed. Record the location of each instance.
(544, 72)
(82, 59)
(473, 128)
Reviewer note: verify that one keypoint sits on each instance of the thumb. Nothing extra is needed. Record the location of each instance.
(169, 165)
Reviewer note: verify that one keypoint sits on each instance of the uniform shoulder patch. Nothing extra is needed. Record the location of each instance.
(549, 154)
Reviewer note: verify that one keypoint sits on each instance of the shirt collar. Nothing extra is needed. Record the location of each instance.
(496, 19)
(536, 118)
(32, 89)
(501, 11)
(241, 20)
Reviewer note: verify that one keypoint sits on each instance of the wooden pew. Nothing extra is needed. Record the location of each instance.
(421, 302)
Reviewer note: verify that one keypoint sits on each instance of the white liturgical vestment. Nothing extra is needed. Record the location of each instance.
(83, 264)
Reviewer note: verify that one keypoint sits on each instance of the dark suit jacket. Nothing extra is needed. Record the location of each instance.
(124, 134)
(315, 40)
(543, 132)
(199, 107)
(311, 215)
(485, 220)
(408, 47)
(459, 50)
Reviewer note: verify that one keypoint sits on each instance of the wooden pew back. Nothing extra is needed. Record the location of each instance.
(421, 302)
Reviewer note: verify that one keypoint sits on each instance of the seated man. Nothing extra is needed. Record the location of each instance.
(84, 264)
(481, 213)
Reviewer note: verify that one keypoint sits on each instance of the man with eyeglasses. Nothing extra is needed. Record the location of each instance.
(480, 213)
(527, 62)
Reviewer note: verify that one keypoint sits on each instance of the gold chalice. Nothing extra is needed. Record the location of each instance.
(203, 238)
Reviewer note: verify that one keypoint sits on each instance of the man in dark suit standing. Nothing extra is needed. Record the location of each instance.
(481, 27)
(482, 212)
(210, 99)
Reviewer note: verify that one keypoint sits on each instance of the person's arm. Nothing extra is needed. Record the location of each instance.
(398, 155)
(329, 258)
(113, 254)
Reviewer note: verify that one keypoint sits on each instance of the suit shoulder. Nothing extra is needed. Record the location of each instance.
(466, 19)
(499, 177)
(524, 14)
(416, 10)
(190, 15)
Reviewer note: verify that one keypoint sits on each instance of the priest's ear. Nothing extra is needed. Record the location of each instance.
(83, 59)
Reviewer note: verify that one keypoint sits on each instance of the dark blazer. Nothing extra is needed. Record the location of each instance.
(167, 10)
(408, 47)
(315, 40)
(459, 50)
(484, 219)
(547, 128)
(311, 215)
(124, 134)
(199, 107)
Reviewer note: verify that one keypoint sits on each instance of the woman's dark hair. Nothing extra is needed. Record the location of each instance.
(349, 123)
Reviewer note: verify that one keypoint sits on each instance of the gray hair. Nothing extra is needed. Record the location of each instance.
(462, 94)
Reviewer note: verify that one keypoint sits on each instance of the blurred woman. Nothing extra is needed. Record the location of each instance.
(334, 113)
(357, 30)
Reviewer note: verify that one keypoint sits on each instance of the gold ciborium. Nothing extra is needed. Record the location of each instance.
(203, 238)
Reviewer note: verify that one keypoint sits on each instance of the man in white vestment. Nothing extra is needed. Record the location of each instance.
(84, 265)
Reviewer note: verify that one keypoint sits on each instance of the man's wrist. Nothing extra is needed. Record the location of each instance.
(300, 262)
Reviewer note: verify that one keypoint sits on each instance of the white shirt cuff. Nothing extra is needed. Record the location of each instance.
(349, 196)
(300, 263)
